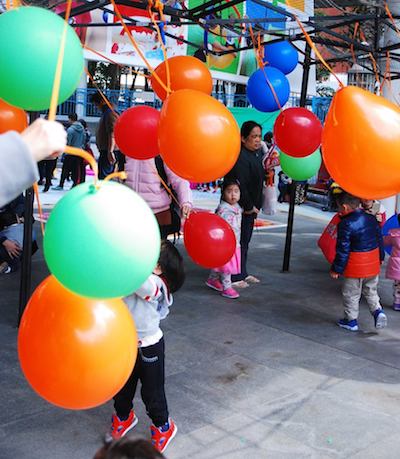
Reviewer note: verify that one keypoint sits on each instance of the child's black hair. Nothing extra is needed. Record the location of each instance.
(171, 265)
(128, 448)
(228, 182)
(348, 199)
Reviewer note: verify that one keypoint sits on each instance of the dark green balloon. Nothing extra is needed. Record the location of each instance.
(300, 168)
(29, 44)
(102, 243)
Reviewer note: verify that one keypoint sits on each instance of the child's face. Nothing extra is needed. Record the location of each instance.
(232, 194)
(367, 203)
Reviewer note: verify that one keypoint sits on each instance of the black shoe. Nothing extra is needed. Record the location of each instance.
(46, 188)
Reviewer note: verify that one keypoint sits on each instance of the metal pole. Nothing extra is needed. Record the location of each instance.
(25, 281)
(26, 260)
(289, 229)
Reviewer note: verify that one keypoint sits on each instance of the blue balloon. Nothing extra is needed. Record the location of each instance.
(259, 91)
(281, 55)
(392, 223)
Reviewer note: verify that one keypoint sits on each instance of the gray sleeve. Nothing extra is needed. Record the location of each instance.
(18, 169)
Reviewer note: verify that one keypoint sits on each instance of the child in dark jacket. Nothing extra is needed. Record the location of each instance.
(359, 254)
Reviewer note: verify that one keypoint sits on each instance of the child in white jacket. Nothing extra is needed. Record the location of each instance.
(148, 306)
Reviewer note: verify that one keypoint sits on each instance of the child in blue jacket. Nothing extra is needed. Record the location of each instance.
(359, 254)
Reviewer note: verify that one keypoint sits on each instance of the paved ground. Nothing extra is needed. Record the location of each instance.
(269, 375)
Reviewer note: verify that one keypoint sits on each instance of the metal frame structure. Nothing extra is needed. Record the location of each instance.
(324, 30)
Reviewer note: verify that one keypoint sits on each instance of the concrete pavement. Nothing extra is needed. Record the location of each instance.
(268, 375)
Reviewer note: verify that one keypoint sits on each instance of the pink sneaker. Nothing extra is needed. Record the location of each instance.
(230, 293)
(215, 284)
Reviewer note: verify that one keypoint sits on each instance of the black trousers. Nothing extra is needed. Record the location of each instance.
(149, 369)
(49, 166)
(246, 232)
(105, 168)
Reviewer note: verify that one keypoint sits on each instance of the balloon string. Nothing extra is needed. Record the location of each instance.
(135, 45)
(58, 73)
(167, 188)
(374, 64)
(108, 103)
(391, 19)
(352, 51)
(317, 53)
(36, 191)
(164, 50)
(114, 62)
(85, 155)
(120, 175)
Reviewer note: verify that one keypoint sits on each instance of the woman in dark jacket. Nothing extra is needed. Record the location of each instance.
(249, 172)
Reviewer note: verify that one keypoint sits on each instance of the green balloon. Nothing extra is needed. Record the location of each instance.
(29, 44)
(102, 243)
(300, 168)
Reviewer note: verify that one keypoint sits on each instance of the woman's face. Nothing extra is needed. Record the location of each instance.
(253, 141)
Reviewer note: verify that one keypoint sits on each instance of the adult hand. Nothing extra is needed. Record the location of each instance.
(13, 248)
(334, 275)
(45, 138)
(254, 210)
(186, 209)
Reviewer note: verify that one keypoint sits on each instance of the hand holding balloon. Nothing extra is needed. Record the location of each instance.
(44, 138)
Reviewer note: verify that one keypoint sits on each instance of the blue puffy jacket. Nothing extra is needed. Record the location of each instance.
(359, 246)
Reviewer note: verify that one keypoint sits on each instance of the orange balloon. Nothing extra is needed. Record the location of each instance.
(186, 72)
(198, 136)
(75, 352)
(12, 118)
(361, 143)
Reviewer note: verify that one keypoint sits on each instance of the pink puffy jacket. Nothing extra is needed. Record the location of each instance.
(393, 266)
(142, 177)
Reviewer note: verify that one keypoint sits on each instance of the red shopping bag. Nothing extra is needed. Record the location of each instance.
(327, 241)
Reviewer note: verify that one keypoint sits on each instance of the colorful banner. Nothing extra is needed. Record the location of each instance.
(113, 41)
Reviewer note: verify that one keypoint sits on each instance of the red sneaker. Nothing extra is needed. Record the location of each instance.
(161, 440)
(120, 428)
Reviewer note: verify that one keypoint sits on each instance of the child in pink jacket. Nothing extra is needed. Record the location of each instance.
(393, 266)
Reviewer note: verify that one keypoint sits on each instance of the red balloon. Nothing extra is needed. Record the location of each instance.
(209, 239)
(297, 132)
(186, 72)
(136, 132)
(12, 118)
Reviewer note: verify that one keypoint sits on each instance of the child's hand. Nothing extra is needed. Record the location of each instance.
(334, 275)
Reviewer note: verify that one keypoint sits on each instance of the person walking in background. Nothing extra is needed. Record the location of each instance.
(249, 172)
(105, 137)
(359, 254)
(228, 209)
(76, 137)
